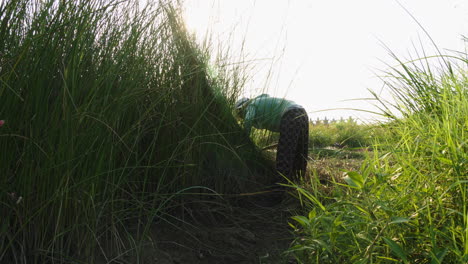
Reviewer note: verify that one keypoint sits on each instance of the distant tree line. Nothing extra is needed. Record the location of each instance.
(326, 121)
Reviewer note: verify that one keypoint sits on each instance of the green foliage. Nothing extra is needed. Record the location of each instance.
(408, 202)
(110, 113)
(343, 133)
(321, 136)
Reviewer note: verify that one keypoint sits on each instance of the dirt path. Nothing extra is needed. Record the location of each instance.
(253, 230)
(247, 230)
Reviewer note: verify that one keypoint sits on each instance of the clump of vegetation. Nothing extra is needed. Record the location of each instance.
(407, 203)
(343, 133)
(110, 113)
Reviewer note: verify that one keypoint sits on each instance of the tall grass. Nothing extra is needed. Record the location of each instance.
(110, 113)
(408, 203)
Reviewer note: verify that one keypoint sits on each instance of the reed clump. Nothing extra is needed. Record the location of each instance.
(110, 114)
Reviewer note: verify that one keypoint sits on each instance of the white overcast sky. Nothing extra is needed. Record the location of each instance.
(325, 52)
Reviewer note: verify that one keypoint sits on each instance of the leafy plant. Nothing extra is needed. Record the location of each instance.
(408, 201)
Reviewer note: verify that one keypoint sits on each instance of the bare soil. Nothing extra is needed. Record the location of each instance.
(251, 229)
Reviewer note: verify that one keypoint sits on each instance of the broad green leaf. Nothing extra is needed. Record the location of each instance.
(291, 225)
(312, 214)
(302, 220)
(354, 179)
(396, 249)
(337, 221)
(361, 209)
(296, 248)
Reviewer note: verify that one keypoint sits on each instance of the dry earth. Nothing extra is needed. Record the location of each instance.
(252, 231)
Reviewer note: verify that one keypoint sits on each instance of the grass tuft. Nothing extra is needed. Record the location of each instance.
(407, 203)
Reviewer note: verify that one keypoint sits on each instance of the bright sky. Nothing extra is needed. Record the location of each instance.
(323, 52)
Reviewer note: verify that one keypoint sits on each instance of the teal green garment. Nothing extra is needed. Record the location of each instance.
(265, 112)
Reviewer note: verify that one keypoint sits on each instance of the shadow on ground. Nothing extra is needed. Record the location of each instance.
(251, 229)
